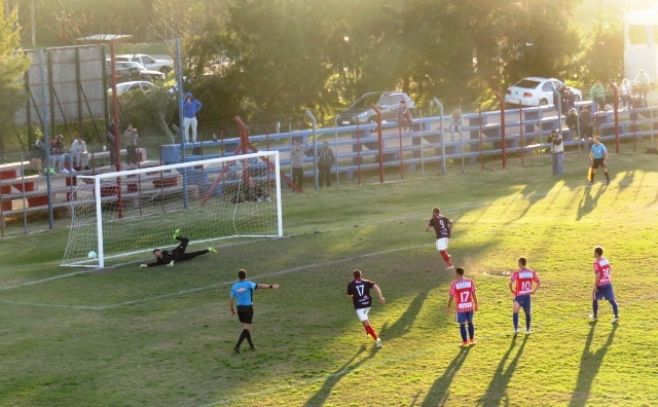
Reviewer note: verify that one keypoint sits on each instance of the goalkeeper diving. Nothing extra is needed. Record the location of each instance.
(170, 257)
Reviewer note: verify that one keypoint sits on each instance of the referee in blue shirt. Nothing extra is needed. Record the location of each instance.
(242, 298)
(597, 158)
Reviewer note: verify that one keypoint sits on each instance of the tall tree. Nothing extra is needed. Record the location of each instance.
(13, 65)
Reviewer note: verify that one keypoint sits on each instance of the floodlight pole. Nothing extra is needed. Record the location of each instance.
(438, 104)
(314, 122)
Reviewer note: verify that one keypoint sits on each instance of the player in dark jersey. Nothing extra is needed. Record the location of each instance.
(359, 290)
(169, 258)
(442, 226)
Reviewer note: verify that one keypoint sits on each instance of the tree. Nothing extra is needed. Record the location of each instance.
(13, 65)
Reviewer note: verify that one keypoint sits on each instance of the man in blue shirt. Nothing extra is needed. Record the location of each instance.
(242, 298)
(597, 158)
(191, 107)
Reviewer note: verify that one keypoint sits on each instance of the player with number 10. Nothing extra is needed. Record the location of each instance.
(524, 282)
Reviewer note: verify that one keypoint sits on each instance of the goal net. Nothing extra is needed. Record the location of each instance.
(124, 213)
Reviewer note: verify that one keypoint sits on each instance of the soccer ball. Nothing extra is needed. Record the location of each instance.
(91, 254)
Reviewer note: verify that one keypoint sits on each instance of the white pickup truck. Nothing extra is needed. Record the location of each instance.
(162, 65)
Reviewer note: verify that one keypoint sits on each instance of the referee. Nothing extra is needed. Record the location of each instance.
(242, 298)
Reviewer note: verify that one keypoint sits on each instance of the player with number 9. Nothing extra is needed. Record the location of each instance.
(523, 283)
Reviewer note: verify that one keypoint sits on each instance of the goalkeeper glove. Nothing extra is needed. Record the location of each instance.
(171, 263)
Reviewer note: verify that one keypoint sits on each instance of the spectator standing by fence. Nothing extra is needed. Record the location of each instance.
(110, 143)
(79, 154)
(131, 135)
(625, 93)
(643, 83)
(597, 94)
(586, 128)
(297, 162)
(456, 124)
(326, 160)
(57, 153)
(404, 116)
(557, 151)
(191, 107)
(572, 124)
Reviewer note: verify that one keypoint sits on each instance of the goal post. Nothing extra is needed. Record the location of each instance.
(119, 214)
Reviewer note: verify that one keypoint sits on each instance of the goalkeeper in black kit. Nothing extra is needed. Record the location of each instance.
(169, 258)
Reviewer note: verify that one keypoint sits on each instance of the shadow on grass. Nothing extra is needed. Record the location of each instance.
(588, 202)
(321, 396)
(590, 363)
(498, 386)
(402, 325)
(439, 391)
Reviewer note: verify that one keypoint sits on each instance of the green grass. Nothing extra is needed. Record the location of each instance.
(133, 337)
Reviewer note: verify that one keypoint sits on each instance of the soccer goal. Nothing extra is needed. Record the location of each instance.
(124, 213)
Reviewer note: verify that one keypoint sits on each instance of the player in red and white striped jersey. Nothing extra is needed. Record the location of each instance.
(523, 283)
(603, 285)
(462, 290)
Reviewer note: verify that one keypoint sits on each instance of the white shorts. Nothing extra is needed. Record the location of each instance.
(442, 244)
(362, 313)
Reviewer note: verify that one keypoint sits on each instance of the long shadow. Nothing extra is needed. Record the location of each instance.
(498, 385)
(588, 202)
(533, 193)
(590, 363)
(321, 396)
(402, 325)
(399, 328)
(440, 389)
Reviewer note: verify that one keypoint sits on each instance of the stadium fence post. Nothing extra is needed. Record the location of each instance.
(615, 104)
(358, 151)
(23, 195)
(314, 123)
(502, 129)
(380, 143)
(400, 137)
(438, 104)
(521, 135)
(480, 136)
(336, 150)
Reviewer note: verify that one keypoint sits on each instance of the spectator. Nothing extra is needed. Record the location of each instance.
(557, 151)
(572, 123)
(586, 128)
(57, 154)
(191, 107)
(131, 136)
(404, 116)
(110, 143)
(597, 94)
(625, 93)
(456, 124)
(643, 83)
(79, 154)
(41, 154)
(326, 160)
(297, 162)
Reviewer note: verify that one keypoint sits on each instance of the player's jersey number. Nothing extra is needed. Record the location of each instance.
(360, 289)
(464, 296)
(526, 286)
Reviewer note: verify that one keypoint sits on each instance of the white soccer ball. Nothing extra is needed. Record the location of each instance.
(91, 254)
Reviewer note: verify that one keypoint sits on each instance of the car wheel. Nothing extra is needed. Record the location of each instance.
(543, 102)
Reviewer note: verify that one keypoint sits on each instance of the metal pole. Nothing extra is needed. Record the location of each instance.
(33, 23)
(521, 134)
(380, 144)
(46, 132)
(401, 158)
(115, 123)
(480, 133)
(314, 122)
(336, 149)
(358, 151)
(24, 198)
(615, 104)
(653, 129)
(443, 144)
(99, 222)
(503, 130)
(277, 180)
(181, 128)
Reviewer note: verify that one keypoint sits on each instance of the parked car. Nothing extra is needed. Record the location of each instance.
(537, 91)
(361, 111)
(162, 65)
(130, 86)
(131, 71)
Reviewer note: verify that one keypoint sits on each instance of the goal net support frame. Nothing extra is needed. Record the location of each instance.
(90, 200)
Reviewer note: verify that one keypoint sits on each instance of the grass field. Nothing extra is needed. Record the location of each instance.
(164, 337)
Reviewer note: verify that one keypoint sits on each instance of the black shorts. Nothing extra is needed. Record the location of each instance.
(245, 313)
(597, 162)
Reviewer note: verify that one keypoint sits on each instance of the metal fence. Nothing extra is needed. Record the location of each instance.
(376, 151)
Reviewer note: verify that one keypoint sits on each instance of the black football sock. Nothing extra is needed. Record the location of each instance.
(251, 344)
(243, 335)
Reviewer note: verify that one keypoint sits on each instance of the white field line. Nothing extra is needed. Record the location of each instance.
(412, 215)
